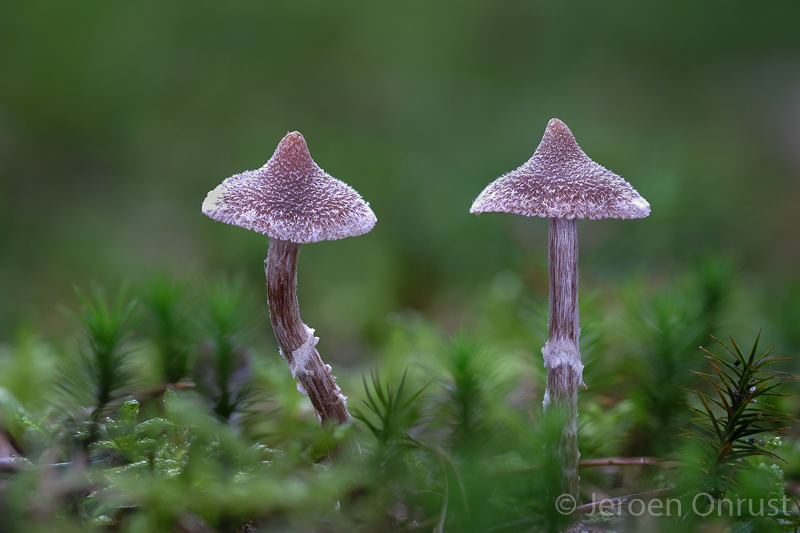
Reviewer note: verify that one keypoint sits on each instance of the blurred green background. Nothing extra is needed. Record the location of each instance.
(116, 119)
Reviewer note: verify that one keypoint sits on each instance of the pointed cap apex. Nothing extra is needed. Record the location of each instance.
(558, 137)
(292, 152)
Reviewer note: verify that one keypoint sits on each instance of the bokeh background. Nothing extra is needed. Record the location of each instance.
(116, 119)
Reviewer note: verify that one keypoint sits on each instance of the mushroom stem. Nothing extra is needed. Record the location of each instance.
(561, 352)
(295, 339)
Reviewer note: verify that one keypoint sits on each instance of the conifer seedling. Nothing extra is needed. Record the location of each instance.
(562, 184)
(293, 201)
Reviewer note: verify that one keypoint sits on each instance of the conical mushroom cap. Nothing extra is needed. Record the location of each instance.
(291, 198)
(560, 181)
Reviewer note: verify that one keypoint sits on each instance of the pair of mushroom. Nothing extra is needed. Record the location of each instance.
(293, 201)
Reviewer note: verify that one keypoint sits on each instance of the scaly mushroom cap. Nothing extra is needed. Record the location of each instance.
(560, 181)
(291, 198)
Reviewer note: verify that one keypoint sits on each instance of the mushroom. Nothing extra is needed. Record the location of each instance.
(562, 184)
(293, 201)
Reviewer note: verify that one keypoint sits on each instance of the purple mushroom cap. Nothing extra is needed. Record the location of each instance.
(291, 198)
(560, 181)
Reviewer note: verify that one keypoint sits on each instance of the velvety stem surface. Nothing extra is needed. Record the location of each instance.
(292, 334)
(561, 354)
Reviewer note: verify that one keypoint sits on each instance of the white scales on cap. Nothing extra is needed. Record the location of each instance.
(291, 198)
(560, 181)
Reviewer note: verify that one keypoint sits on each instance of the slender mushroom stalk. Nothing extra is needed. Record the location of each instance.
(297, 340)
(293, 201)
(561, 352)
(562, 184)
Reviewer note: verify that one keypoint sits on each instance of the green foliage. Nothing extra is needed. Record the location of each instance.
(28, 367)
(665, 329)
(104, 330)
(741, 391)
(170, 325)
(394, 412)
(730, 456)
(455, 442)
(467, 390)
(223, 366)
(602, 432)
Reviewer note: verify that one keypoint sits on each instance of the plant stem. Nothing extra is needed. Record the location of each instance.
(295, 339)
(561, 353)
(629, 461)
